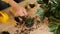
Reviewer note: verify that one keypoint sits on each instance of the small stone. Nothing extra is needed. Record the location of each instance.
(32, 5)
(5, 32)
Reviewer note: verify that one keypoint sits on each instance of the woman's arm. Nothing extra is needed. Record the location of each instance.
(14, 5)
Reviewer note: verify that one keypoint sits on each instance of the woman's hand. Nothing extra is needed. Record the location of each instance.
(17, 9)
(21, 11)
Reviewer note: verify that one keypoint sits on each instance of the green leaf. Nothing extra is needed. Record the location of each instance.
(40, 12)
(53, 26)
(57, 31)
(40, 2)
(29, 22)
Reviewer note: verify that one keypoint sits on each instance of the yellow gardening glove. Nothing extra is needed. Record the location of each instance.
(3, 17)
(6, 1)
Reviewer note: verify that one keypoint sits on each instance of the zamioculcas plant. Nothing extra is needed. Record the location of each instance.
(52, 12)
